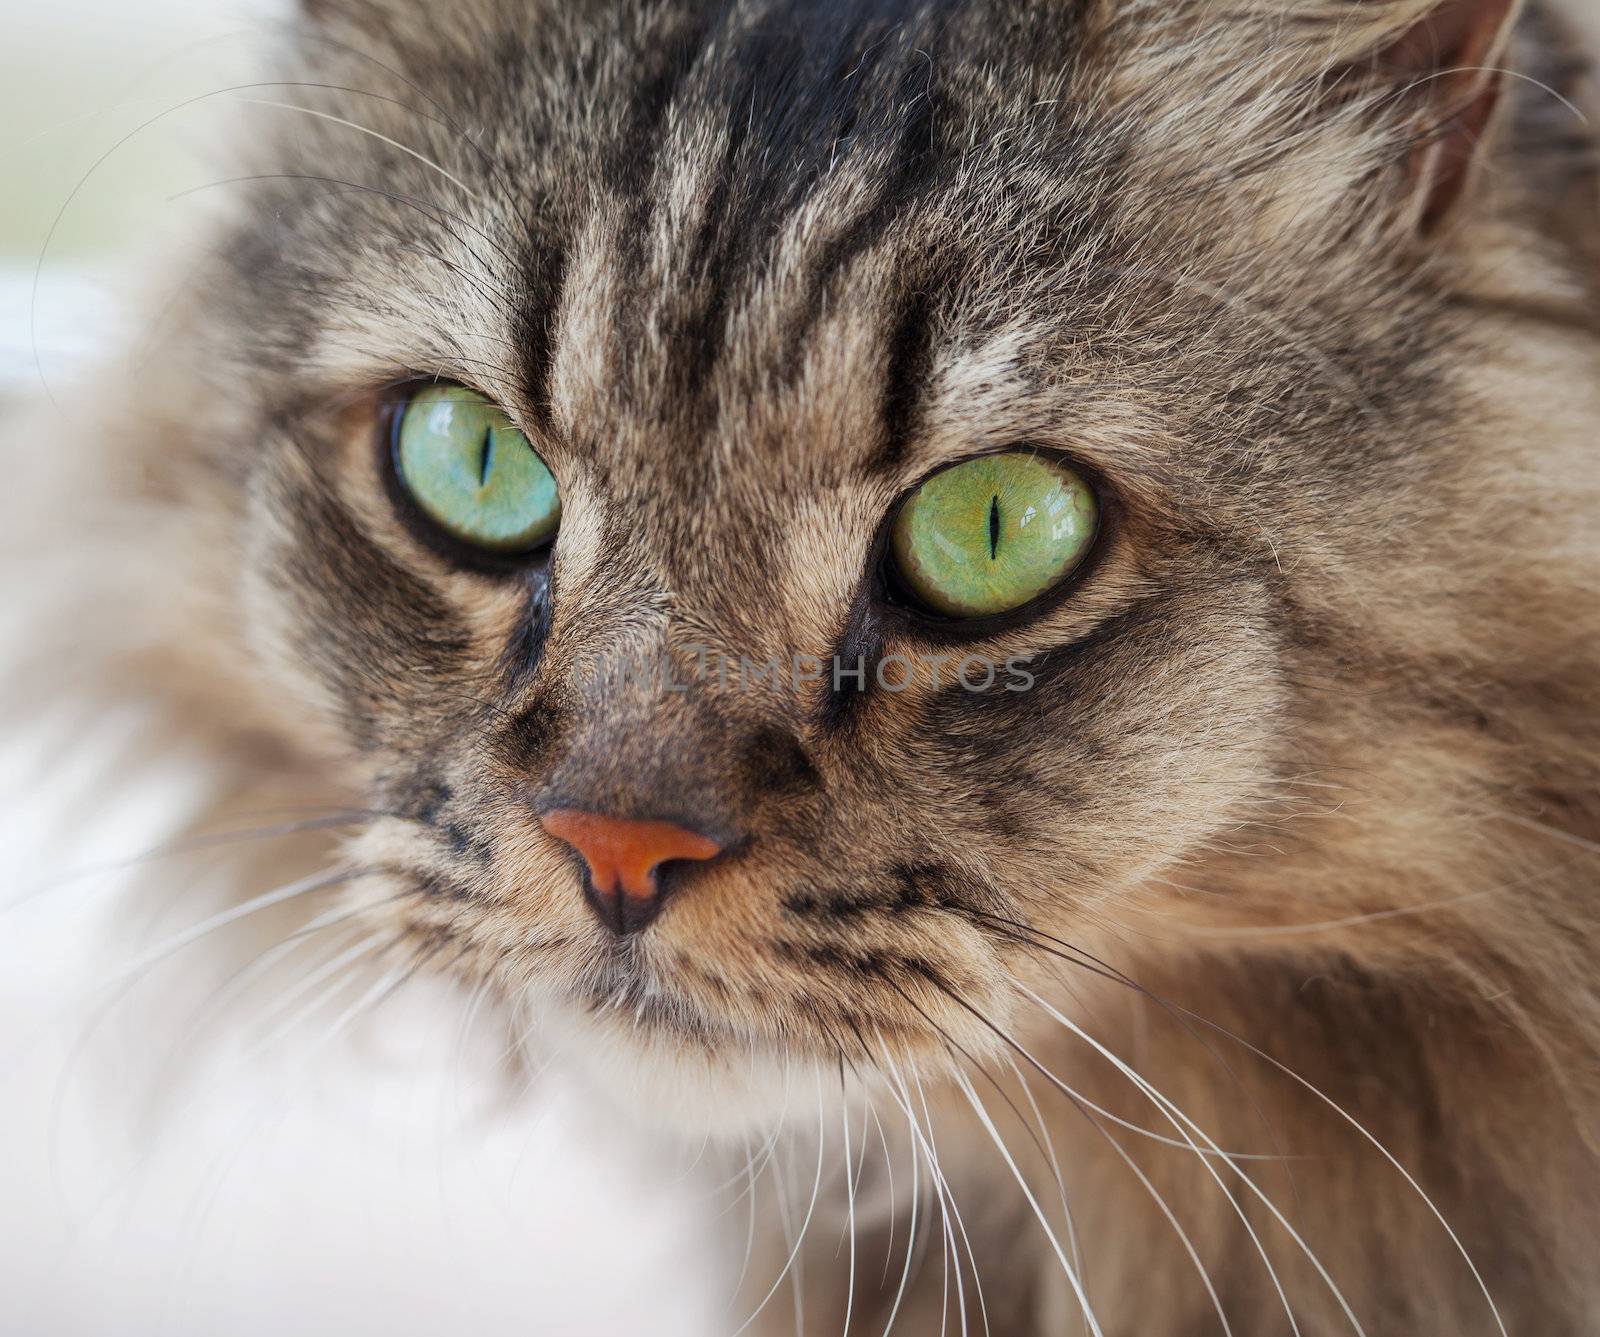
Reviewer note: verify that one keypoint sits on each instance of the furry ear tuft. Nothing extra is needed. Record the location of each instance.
(1446, 66)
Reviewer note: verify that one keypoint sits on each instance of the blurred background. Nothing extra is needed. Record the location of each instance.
(95, 141)
(370, 1183)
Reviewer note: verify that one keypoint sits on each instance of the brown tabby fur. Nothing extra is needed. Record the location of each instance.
(1299, 817)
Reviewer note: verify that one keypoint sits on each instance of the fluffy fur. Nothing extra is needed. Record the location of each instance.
(1297, 824)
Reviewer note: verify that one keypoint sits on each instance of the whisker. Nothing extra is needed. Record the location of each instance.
(490, 295)
(1073, 1280)
(1544, 828)
(1330, 372)
(751, 1174)
(888, 1169)
(1245, 931)
(369, 1002)
(757, 1161)
(1055, 1165)
(282, 895)
(212, 1006)
(911, 1232)
(380, 992)
(443, 116)
(453, 1085)
(816, 1188)
(128, 979)
(961, 1226)
(1177, 1009)
(192, 845)
(1500, 70)
(1079, 1098)
(430, 209)
(334, 966)
(170, 1116)
(922, 1151)
(1093, 1113)
(1383, 1151)
(392, 143)
(850, 1212)
(1159, 1199)
(948, 1252)
(77, 189)
(866, 1122)
(1177, 1116)
(1068, 953)
(948, 1210)
(1165, 1208)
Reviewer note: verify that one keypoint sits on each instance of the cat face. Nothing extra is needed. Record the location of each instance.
(744, 279)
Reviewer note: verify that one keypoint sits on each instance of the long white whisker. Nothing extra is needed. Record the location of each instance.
(186, 845)
(751, 1173)
(816, 1188)
(961, 1226)
(130, 977)
(1544, 828)
(994, 1136)
(1089, 1108)
(1161, 1202)
(754, 1165)
(754, 1158)
(215, 1002)
(469, 1019)
(212, 1007)
(888, 1170)
(1540, 84)
(923, 1146)
(1179, 1118)
(369, 1001)
(1243, 931)
(330, 968)
(780, 1185)
(304, 887)
(1389, 1156)
(911, 1229)
(1055, 1163)
(850, 1209)
(949, 1212)
(866, 1121)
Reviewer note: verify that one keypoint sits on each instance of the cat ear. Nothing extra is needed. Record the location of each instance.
(1444, 63)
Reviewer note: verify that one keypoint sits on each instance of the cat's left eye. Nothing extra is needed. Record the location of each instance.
(473, 473)
(994, 533)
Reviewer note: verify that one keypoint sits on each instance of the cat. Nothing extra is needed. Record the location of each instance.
(1193, 930)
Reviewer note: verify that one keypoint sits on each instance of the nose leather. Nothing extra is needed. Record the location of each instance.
(624, 855)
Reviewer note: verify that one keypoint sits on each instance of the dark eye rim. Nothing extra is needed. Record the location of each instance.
(393, 399)
(901, 611)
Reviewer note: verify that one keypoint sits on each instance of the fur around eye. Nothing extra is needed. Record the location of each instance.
(473, 473)
(992, 534)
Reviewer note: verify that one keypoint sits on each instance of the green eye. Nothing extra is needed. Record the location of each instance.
(473, 473)
(987, 536)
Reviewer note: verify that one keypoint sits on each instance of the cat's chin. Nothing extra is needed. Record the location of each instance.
(720, 1088)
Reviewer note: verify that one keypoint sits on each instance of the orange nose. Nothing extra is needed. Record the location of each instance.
(624, 855)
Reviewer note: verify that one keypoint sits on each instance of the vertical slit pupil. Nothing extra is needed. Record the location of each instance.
(486, 459)
(994, 526)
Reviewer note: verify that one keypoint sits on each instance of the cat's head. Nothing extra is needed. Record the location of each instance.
(724, 714)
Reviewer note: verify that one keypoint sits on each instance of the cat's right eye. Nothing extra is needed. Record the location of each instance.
(473, 473)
